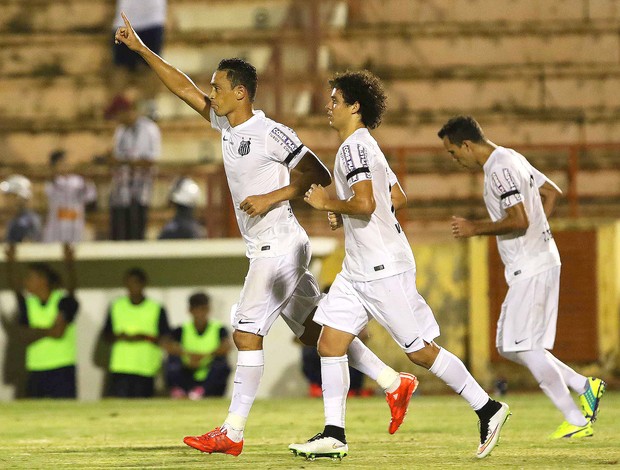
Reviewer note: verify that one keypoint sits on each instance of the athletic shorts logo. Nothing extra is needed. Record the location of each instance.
(520, 341)
(244, 147)
(409, 344)
(243, 322)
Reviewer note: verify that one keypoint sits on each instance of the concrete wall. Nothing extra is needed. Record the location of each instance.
(216, 266)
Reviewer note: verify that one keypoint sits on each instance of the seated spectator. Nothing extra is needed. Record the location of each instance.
(25, 224)
(47, 318)
(68, 195)
(184, 196)
(199, 367)
(137, 326)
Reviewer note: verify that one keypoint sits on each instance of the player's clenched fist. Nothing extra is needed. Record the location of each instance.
(127, 35)
(316, 196)
(335, 220)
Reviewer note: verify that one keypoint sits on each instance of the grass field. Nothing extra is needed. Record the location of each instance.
(439, 432)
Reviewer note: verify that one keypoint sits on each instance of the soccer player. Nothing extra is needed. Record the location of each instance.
(519, 199)
(378, 272)
(266, 165)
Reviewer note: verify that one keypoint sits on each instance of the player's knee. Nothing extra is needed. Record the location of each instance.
(247, 341)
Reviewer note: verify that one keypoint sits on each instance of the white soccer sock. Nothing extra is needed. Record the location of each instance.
(550, 380)
(250, 366)
(452, 371)
(367, 362)
(335, 375)
(576, 382)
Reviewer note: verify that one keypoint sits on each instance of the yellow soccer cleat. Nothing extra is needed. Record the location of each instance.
(570, 431)
(591, 398)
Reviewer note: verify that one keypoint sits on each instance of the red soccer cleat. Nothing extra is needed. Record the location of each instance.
(399, 400)
(215, 441)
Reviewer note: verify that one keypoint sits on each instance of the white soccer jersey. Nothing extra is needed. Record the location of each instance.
(66, 197)
(509, 179)
(258, 156)
(375, 245)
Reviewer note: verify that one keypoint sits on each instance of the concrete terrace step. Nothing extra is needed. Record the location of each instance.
(506, 11)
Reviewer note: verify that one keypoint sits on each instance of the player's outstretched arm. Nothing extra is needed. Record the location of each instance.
(176, 81)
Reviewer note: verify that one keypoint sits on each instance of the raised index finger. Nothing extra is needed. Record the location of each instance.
(125, 19)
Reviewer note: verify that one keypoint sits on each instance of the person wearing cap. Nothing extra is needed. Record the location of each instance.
(184, 196)
(25, 224)
(137, 145)
(199, 368)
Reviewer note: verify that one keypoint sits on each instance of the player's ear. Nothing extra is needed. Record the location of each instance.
(240, 92)
(355, 107)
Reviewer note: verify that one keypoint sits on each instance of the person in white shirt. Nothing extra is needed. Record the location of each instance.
(266, 165)
(68, 195)
(137, 146)
(378, 277)
(519, 199)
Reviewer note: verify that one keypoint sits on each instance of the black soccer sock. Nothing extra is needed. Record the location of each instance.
(488, 410)
(334, 431)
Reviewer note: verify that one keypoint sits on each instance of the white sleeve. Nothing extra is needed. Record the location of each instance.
(219, 123)
(154, 143)
(354, 159)
(283, 145)
(505, 184)
(393, 180)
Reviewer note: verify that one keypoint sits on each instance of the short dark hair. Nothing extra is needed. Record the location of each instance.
(56, 156)
(199, 299)
(54, 281)
(240, 72)
(460, 128)
(366, 89)
(138, 273)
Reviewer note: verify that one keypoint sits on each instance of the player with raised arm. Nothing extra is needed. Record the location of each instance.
(266, 165)
(519, 199)
(378, 276)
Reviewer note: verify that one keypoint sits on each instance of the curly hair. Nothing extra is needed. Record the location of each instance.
(460, 128)
(366, 89)
(240, 72)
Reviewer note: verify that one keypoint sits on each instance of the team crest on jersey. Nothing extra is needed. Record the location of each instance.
(244, 147)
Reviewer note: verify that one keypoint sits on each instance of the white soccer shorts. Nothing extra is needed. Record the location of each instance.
(393, 301)
(529, 313)
(279, 285)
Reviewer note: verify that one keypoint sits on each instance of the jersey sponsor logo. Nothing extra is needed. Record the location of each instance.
(379, 268)
(280, 137)
(244, 147)
(348, 160)
(516, 273)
